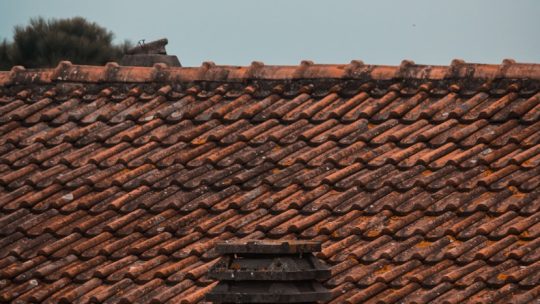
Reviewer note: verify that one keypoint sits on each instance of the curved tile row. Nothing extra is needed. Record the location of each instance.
(327, 186)
(425, 189)
(141, 233)
(464, 135)
(447, 293)
(64, 158)
(207, 150)
(96, 291)
(448, 198)
(413, 271)
(87, 108)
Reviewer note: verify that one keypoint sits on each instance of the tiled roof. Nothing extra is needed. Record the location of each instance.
(422, 182)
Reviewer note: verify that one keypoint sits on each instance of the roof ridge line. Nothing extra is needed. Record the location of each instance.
(209, 71)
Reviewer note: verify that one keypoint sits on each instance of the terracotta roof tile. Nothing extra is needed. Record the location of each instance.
(421, 181)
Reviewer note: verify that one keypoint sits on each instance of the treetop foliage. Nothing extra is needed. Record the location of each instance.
(44, 43)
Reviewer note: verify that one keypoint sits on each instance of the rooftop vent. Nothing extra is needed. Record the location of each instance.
(148, 54)
(269, 272)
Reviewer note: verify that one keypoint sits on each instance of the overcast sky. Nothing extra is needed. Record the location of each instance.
(237, 32)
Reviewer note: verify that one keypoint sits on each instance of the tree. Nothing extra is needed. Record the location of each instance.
(44, 43)
(5, 62)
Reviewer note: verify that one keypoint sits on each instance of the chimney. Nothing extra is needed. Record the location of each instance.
(269, 272)
(148, 54)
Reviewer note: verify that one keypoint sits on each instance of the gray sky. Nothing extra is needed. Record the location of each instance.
(237, 32)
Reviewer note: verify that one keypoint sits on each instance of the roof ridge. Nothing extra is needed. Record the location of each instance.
(209, 71)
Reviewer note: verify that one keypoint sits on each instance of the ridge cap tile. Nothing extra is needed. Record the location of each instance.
(66, 71)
